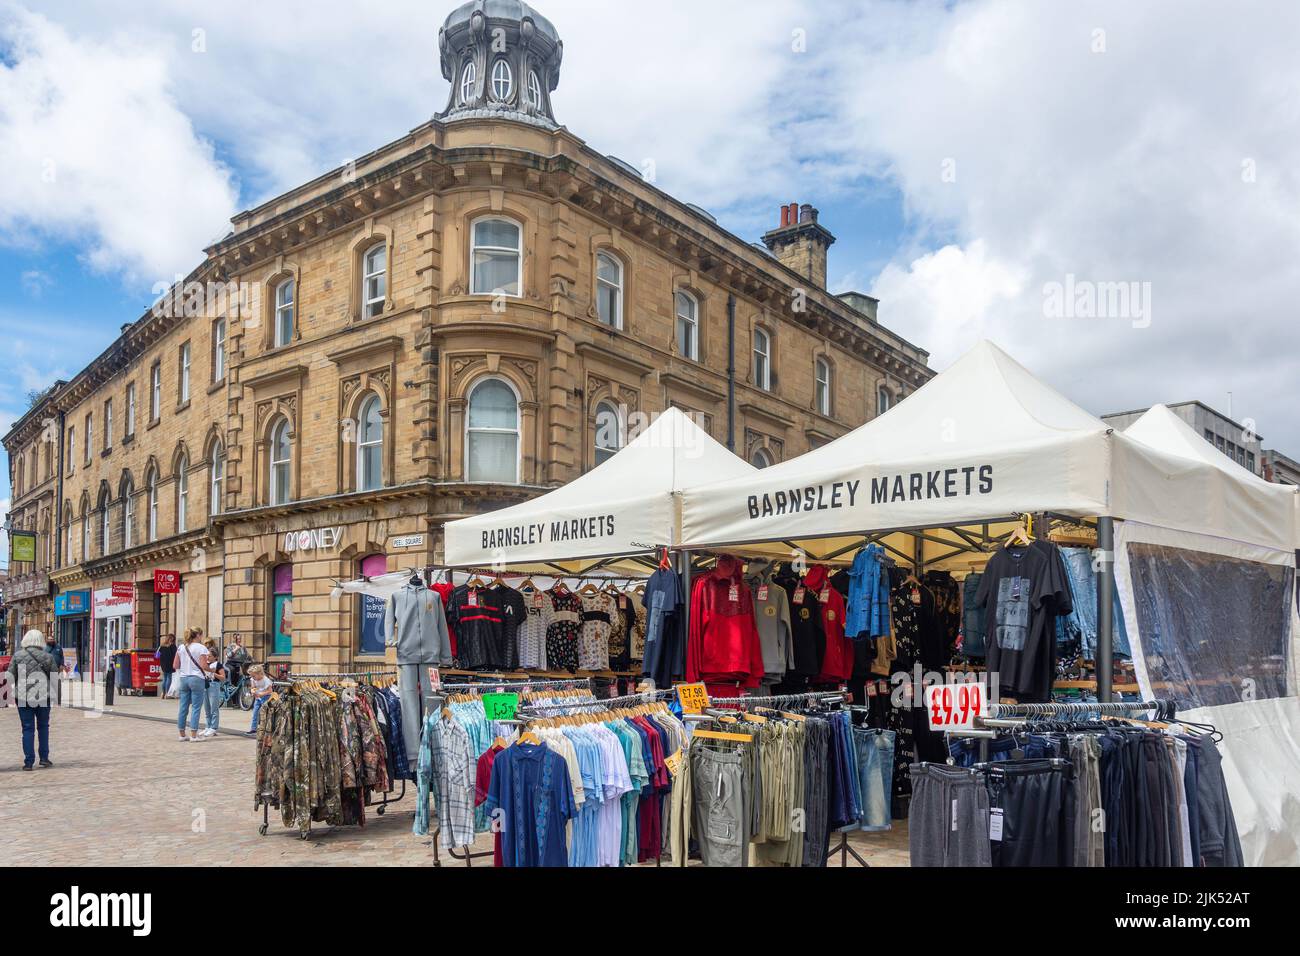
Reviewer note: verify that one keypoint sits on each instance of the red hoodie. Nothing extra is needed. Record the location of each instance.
(723, 644)
(837, 663)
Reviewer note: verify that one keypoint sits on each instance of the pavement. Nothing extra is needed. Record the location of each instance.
(124, 791)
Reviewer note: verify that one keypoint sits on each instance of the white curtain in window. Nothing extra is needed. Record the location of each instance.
(492, 433)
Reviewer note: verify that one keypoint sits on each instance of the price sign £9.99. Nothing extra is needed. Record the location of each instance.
(954, 706)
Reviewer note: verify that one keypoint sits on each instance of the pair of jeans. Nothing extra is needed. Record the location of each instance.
(212, 705)
(193, 693)
(36, 723)
(875, 776)
(166, 683)
(257, 707)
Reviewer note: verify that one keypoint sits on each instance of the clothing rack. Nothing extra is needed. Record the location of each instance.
(383, 804)
(517, 682)
(816, 696)
(1164, 709)
(603, 703)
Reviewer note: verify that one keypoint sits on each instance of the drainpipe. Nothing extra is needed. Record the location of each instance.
(58, 502)
(731, 373)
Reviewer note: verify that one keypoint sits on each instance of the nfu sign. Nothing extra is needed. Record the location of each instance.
(313, 539)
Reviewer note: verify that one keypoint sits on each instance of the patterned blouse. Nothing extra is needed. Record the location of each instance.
(598, 614)
(540, 607)
(562, 631)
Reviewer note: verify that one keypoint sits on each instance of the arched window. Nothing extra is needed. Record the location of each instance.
(883, 400)
(85, 532)
(374, 280)
(609, 431)
(105, 529)
(534, 90)
(496, 257)
(688, 325)
(370, 446)
(503, 80)
(182, 495)
(762, 359)
(68, 556)
(822, 377)
(467, 80)
(281, 452)
(284, 324)
(761, 458)
(151, 483)
(492, 433)
(128, 515)
(217, 479)
(609, 290)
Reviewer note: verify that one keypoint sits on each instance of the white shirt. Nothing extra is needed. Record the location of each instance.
(187, 666)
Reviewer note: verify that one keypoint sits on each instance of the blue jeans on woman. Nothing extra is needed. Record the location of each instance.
(192, 694)
(36, 722)
(212, 705)
(166, 683)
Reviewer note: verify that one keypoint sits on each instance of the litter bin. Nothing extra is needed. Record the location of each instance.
(146, 672)
(122, 676)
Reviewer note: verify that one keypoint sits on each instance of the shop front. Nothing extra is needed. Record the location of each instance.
(72, 621)
(280, 574)
(27, 599)
(112, 622)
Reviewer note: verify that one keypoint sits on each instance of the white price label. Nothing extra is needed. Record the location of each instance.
(954, 706)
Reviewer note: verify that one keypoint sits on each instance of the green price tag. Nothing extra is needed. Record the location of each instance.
(500, 706)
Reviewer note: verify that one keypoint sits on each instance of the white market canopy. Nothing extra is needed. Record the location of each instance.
(624, 507)
(979, 443)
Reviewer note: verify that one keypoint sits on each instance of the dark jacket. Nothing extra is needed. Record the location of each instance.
(33, 673)
(167, 658)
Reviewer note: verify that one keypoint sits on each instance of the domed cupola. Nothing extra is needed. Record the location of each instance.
(502, 59)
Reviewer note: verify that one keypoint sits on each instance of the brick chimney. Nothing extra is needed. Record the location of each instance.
(801, 243)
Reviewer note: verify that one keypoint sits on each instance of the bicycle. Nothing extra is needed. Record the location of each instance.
(240, 691)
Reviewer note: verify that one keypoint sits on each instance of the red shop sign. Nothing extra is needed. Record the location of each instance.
(123, 589)
(166, 582)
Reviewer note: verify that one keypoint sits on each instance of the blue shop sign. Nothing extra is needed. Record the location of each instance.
(71, 603)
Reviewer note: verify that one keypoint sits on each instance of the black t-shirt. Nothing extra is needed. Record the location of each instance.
(1022, 591)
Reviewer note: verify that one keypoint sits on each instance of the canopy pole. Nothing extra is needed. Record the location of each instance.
(1103, 572)
(684, 572)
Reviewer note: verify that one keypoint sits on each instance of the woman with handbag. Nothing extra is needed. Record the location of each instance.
(192, 675)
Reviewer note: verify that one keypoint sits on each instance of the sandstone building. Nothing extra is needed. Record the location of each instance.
(459, 320)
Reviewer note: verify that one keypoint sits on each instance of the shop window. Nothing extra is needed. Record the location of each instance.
(492, 433)
(496, 258)
(609, 431)
(282, 609)
(688, 325)
(609, 290)
(370, 446)
(280, 464)
(370, 618)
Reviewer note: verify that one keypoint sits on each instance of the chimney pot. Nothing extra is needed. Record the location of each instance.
(794, 213)
(806, 213)
(785, 216)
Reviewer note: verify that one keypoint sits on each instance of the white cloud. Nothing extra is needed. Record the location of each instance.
(1134, 164)
(96, 151)
(35, 282)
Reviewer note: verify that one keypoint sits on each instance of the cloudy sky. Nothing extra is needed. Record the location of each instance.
(971, 157)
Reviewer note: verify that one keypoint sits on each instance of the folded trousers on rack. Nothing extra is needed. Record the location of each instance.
(722, 807)
(1034, 801)
(949, 819)
(416, 692)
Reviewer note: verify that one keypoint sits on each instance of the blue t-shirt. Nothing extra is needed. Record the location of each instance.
(530, 783)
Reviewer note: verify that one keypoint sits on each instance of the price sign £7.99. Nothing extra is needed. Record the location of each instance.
(954, 706)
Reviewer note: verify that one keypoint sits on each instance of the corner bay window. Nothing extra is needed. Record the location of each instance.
(492, 433)
(496, 258)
